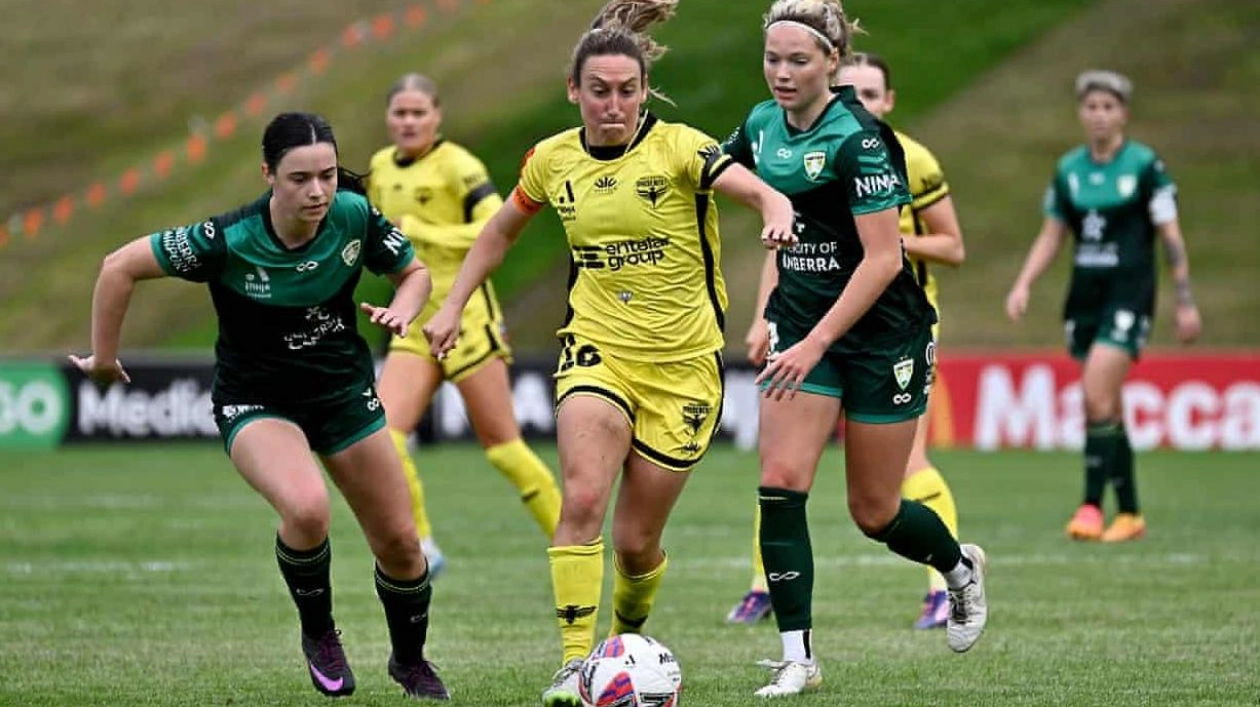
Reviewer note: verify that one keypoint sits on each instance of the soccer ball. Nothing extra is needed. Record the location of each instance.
(630, 670)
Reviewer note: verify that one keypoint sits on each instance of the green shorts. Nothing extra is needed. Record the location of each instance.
(1124, 329)
(330, 427)
(880, 386)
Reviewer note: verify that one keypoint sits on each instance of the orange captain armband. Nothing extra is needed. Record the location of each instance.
(524, 203)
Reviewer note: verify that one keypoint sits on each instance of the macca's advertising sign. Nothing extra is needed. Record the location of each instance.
(1187, 402)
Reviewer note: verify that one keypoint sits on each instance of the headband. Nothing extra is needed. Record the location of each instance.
(801, 25)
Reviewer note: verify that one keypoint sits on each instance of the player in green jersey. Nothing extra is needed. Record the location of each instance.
(293, 376)
(847, 322)
(1114, 196)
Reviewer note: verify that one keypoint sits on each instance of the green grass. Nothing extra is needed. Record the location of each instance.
(144, 576)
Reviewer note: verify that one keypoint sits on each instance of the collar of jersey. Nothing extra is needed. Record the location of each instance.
(265, 212)
(1089, 154)
(405, 161)
(607, 153)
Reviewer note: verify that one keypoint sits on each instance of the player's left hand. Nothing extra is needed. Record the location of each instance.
(100, 371)
(785, 371)
(386, 318)
(779, 230)
(1189, 324)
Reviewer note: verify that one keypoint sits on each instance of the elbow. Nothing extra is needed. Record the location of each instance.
(886, 266)
(957, 255)
(114, 264)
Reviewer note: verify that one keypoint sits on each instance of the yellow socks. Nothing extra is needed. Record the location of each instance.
(577, 578)
(423, 528)
(633, 597)
(928, 487)
(759, 567)
(532, 479)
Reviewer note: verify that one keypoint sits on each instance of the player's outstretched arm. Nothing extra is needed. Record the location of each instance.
(1043, 251)
(120, 272)
(777, 215)
(412, 288)
(943, 242)
(758, 337)
(1187, 319)
(500, 232)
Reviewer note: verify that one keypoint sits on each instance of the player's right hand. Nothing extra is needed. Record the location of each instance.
(1017, 303)
(758, 341)
(101, 371)
(442, 331)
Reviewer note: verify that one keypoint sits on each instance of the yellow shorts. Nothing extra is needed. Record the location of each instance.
(674, 408)
(482, 338)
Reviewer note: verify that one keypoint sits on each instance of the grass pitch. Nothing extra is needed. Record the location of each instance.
(144, 576)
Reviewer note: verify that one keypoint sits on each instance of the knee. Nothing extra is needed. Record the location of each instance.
(307, 516)
(872, 514)
(781, 474)
(1101, 405)
(583, 506)
(636, 548)
(398, 554)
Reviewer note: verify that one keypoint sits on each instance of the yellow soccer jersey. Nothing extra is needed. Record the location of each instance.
(645, 281)
(927, 186)
(440, 201)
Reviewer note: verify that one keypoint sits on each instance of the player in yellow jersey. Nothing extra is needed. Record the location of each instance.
(639, 381)
(931, 235)
(440, 196)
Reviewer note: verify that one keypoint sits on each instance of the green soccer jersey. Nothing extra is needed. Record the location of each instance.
(287, 330)
(1112, 210)
(847, 164)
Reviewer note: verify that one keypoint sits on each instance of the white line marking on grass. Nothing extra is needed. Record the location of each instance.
(95, 567)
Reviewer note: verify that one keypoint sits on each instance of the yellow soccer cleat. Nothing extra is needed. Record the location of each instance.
(1087, 524)
(1126, 526)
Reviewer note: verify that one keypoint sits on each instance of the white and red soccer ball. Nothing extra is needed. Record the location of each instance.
(630, 670)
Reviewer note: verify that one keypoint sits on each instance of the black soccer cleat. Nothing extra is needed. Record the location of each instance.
(418, 679)
(327, 665)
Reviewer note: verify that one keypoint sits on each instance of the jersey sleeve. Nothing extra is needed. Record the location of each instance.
(473, 187)
(870, 172)
(739, 147)
(700, 159)
(1163, 193)
(195, 252)
(530, 194)
(927, 179)
(1055, 203)
(386, 250)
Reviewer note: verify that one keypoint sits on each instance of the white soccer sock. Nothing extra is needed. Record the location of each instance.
(797, 646)
(958, 577)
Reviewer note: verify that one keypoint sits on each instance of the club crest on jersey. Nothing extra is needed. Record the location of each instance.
(350, 254)
(1126, 184)
(903, 371)
(814, 163)
(651, 188)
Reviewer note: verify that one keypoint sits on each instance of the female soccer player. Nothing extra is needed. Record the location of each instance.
(440, 196)
(1113, 194)
(847, 321)
(639, 381)
(293, 376)
(931, 234)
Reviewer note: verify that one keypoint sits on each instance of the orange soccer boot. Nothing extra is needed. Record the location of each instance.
(1087, 524)
(1125, 527)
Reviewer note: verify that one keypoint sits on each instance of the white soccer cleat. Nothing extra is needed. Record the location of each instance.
(968, 607)
(790, 678)
(563, 691)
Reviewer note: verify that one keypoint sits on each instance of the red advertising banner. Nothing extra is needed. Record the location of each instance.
(1181, 401)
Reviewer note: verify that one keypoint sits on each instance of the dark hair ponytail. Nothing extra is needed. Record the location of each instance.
(348, 180)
